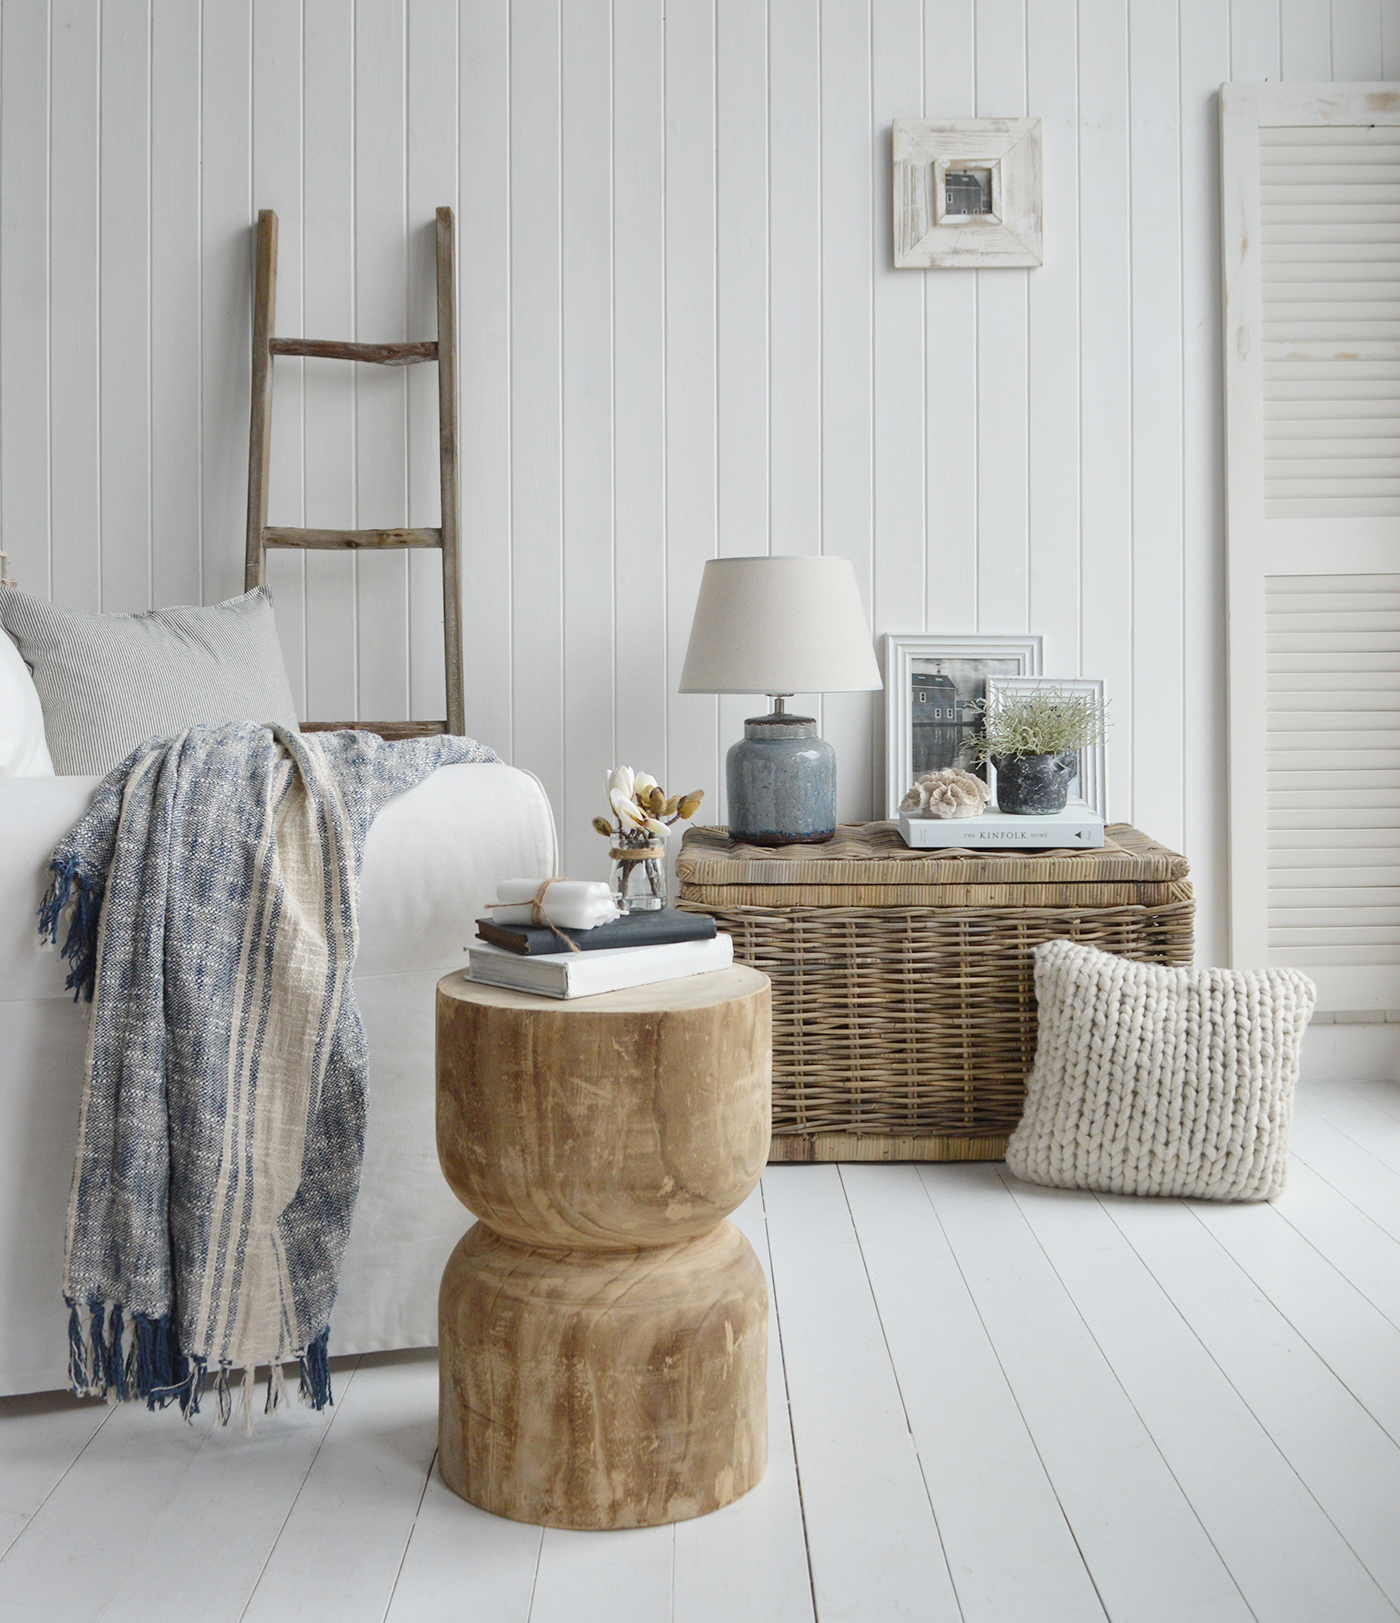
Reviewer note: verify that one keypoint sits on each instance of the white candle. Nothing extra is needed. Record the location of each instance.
(572, 904)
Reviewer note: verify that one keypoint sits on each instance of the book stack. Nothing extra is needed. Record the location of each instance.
(634, 950)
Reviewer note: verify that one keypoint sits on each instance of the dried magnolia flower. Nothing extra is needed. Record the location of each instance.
(949, 793)
(642, 808)
(629, 794)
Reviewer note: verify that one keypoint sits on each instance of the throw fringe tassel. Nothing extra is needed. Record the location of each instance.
(245, 1401)
(315, 1392)
(276, 1389)
(80, 946)
(121, 1357)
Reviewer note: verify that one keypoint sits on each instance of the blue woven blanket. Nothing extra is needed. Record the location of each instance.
(212, 888)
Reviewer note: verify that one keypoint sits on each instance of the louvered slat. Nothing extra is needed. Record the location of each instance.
(1337, 823)
(1345, 846)
(1333, 756)
(1336, 879)
(1330, 281)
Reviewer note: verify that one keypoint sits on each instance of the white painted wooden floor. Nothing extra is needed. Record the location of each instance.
(988, 1402)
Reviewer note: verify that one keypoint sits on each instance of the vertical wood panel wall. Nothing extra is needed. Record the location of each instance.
(681, 335)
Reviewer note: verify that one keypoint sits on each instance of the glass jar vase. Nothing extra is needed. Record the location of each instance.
(639, 875)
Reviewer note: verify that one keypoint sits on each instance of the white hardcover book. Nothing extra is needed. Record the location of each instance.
(1076, 827)
(609, 969)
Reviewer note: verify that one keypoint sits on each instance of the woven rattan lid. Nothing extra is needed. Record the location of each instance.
(874, 854)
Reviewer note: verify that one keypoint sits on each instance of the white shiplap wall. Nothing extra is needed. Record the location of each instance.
(681, 335)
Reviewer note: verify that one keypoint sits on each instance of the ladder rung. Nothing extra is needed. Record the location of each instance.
(331, 349)
(337, 539)
(385, 729)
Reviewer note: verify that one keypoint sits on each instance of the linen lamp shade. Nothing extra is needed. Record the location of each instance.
(779, 625)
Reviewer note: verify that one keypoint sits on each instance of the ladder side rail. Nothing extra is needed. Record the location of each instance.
(447, 443)
(260, 414)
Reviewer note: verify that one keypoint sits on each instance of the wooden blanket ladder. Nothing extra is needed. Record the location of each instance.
(261, 535)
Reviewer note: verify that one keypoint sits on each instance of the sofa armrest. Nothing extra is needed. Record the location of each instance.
(432, 860)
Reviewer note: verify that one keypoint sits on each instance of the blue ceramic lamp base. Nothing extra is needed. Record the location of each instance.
(782, 782)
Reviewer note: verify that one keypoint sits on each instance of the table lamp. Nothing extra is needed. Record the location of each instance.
(780, 626)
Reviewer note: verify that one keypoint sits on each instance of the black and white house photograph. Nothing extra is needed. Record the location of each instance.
(945, 699)
(935, 683)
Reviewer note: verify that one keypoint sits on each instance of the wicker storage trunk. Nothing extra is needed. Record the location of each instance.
(903, 1000)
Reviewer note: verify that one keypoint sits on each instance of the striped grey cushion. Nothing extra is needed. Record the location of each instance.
(108, 682)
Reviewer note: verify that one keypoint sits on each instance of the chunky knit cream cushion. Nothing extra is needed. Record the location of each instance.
(1153, 1081)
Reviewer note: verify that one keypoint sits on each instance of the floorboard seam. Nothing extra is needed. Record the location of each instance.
(1387, 1109)
(1319, 1111)
(1128, 1397)
(58, 1481)
(787, 1398)
(1336, 1189)
(1011, 1390)
(310, 1465)
(1307, 1110)
(904, 1407)
(1249, 1409)
(139, 1548)
(1308, 1240)
(1295, 1327)
(535, 1579)
(412, 1529)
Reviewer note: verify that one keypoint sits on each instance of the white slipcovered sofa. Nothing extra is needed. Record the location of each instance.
(432, 860)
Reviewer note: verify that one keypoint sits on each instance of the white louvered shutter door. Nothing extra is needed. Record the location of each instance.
(1311, 247)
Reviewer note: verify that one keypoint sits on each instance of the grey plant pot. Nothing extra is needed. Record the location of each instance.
(1032, 785)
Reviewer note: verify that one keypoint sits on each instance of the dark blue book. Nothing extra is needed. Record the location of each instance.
(631, 930)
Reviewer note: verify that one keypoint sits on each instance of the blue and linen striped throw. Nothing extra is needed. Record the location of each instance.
(212, 887)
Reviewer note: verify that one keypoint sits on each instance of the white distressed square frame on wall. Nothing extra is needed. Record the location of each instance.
(926, 236)
(1093, 773)
(900, 652)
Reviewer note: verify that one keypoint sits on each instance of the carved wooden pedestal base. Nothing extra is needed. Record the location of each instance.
(603, 1390)
(603, 1330)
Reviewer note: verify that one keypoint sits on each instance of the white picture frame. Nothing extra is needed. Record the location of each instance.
(1000, 158)
(1089, 787)
(968, 659)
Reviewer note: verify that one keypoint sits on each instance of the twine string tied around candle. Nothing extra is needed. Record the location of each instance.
(538, 914)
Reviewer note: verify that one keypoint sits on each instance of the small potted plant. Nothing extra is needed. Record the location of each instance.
(1033, 740)
(642, 815)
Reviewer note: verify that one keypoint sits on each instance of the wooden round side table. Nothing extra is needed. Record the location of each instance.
(603, 1330)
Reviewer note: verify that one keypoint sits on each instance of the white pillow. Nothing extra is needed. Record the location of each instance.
(1157, 1081)
(23, 751)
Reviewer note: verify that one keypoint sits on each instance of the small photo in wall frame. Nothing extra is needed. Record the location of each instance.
(967, 191)
(933, 681)
(1089, 786)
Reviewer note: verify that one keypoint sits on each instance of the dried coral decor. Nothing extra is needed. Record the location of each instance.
(603, 1330)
